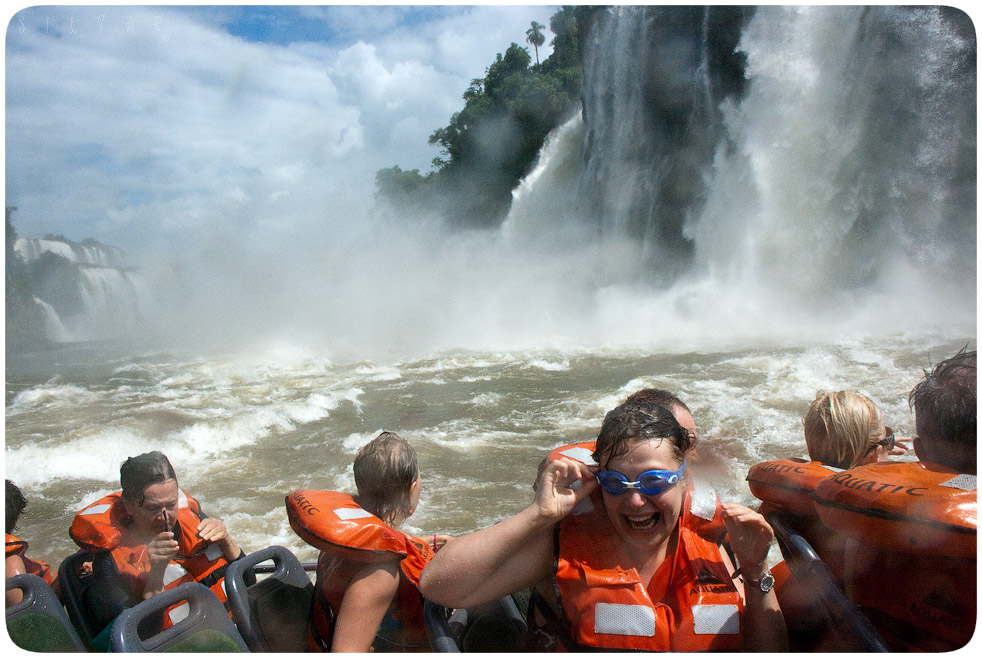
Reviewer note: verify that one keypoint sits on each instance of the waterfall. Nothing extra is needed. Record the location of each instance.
(855, 158)
(87, 290)
(653, 80)
(82, 253)
(824, 166)
(53, 327)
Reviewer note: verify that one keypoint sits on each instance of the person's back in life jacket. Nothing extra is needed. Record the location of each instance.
(366, 595)
(911, 563)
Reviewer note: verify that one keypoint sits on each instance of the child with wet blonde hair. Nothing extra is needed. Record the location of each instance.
(845, 429)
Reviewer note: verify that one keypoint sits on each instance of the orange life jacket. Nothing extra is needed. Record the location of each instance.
(787, 485)
(913, 564)
(606, 606)
(349, 538)
(18, 547)
(103, 526)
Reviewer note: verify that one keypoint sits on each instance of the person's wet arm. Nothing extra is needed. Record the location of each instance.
(14, 565)
(366, 600)
(510, 555)
(750, 537)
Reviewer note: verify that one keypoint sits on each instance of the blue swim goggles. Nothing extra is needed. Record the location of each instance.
(650, 482)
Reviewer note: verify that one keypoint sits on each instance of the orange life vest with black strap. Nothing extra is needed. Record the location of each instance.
(103, 526)
(349, 538)
(18, 547)
(606, 606)
(913, 564)
(787, 485)
(603, 605)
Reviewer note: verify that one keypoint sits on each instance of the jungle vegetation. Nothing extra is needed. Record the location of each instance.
(491, 144)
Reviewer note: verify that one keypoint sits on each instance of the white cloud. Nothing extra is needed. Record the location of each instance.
(120, 117)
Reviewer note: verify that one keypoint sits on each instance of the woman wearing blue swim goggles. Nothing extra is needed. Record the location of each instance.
(631, 538)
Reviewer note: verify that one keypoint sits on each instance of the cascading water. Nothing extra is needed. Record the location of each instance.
(653, 81)
(825, 170)
(91, 292)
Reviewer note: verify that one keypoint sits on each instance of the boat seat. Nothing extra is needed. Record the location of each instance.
(93, 599)
(271, 612)
(39, 622)
(205, 628)
(73, 588)
(493, 627)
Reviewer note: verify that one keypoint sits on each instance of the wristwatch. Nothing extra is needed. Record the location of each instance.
(766, 582)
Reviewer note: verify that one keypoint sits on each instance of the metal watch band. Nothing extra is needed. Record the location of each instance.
(766, 582)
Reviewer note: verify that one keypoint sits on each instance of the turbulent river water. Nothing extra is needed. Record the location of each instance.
(243, 431)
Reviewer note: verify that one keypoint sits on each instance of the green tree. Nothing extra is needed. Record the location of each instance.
(492, 141)
(535, 37)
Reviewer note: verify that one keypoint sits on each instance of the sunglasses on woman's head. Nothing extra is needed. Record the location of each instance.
(888, 442)
(650, 482)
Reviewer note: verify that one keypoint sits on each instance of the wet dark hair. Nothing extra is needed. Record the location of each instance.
(137, 473)
(15, 506)
(385, 470)
(639, 419)
(945, 411)
(664, 398)
(658, 396)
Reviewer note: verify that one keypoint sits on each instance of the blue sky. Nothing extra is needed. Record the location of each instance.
(144, 126)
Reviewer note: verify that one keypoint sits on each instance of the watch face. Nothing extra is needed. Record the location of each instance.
(767, 582)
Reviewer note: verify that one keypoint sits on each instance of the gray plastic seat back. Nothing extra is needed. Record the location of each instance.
(272, 612)
(39, 622)
(205, 628)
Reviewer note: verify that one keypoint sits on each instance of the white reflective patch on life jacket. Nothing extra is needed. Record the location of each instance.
(579, 454)
(622, 619)
(173, 572)
(716, 619)
(703, 501)
(179, 613)
(213, 552)
(965, 482)
(182, 500)
(348, 513)
(95, 509)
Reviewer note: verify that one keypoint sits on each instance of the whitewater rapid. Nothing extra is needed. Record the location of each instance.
(245, 430)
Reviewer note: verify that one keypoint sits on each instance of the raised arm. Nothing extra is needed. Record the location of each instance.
(214, 530)
(750, 537)
(510, 555)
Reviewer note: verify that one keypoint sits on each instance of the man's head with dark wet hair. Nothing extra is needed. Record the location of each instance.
(639, 419)
(385, 471)
(15, 506)
(137, 473)
(945, 410)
